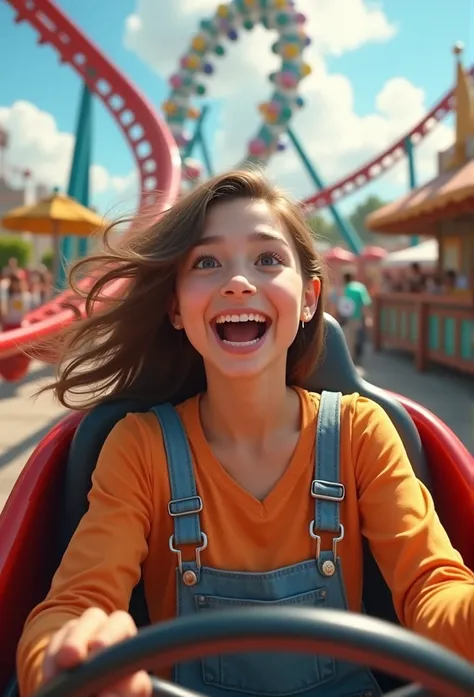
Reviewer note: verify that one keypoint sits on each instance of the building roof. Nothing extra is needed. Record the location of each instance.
(447, 195)
(451, 193)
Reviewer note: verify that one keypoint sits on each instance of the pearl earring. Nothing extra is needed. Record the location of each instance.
(302, 324)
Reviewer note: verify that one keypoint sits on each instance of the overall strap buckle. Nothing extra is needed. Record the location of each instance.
(189, 576)
(185, 504)
(328, 491)
(180, 507)
(328, 567)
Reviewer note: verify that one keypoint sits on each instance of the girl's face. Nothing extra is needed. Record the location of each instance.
(240, 294)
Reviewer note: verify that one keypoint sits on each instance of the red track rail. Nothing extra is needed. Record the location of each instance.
(153, 147)
(384, 161)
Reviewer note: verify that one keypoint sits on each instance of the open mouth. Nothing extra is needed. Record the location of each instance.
(242, 329)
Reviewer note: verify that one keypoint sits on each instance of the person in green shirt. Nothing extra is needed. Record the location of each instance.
(352, 310)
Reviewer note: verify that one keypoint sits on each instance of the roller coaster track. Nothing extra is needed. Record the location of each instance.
(153, 147)
(154, 150)
(388, 158)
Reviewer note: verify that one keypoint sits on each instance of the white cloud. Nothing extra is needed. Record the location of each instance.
(335, 26)
(100, 179)
(124, 196)
(338, 140)
(338, 26)
(155, 26)
(335, 136)
(37, 144)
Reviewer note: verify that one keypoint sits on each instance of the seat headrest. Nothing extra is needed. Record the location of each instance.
(336, 372)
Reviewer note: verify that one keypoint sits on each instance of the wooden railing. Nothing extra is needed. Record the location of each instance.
(434, 328)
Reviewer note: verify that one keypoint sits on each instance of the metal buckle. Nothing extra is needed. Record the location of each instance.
(198, 499)
(335, 540)
(198, 551)
(327, 497)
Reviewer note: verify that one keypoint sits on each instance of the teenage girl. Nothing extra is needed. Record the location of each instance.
(226, 301)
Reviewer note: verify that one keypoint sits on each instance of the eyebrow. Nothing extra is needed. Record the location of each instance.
(254, 237)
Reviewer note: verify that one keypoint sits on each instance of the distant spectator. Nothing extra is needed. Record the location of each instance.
(434, 285)
(36, 289)
(416, 279)
(352, 313)
(386, 282)
(450, 281)
(12, 269)
(15, 302)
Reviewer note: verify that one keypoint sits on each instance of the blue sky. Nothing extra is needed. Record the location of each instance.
(419, 52)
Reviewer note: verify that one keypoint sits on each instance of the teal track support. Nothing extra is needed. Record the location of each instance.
(198, 140)
(411, 175)
(206, 155)
(348, 232)
(195, 140)
(79, 181)
(83, 194)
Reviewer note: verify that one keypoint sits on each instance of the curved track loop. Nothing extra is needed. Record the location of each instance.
(155, 152)
(152, 145)
(385, 160)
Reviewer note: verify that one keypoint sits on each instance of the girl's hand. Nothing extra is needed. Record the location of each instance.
(83, 637)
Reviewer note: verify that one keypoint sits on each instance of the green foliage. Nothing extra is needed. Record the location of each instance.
(325, 229)
(48, 259)
(360, 213)
(16, 247)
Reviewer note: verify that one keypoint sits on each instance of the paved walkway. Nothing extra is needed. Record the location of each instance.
(24, 421)
(447, 394)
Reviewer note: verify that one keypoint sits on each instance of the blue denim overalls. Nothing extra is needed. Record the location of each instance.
(313, 583)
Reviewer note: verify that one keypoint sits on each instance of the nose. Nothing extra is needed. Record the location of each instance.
(238, 286)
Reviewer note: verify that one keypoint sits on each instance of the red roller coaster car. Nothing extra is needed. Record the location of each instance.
(50, 498)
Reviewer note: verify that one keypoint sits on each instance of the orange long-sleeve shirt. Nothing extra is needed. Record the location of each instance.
(128, 524)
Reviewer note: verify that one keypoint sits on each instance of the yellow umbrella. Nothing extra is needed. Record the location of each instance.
(55, 215)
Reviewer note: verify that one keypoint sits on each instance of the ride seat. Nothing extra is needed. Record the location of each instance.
(336, 372)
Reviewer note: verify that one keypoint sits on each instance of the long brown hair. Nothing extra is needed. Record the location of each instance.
(128, 347)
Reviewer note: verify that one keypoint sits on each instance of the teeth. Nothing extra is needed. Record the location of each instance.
(241, 343)
(243, 317)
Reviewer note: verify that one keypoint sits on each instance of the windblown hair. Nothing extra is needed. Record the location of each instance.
(126, 344)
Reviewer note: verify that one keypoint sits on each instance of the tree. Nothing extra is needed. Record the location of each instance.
(14, 247)
(360, 213)
(324, 230)
(48, 259)
(327, 231)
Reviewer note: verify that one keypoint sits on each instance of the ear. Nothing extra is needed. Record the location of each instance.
(311, 295)
(173, 313)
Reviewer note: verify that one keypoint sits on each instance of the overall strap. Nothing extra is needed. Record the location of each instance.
(326, 489)
(185, 504)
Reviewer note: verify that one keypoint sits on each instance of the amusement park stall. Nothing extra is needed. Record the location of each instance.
(437, 326)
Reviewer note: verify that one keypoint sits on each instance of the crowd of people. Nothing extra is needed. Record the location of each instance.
(22, 290)
(417, 280)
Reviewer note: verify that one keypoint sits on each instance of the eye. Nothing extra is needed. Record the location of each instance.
(205, 262)
(270, 259)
